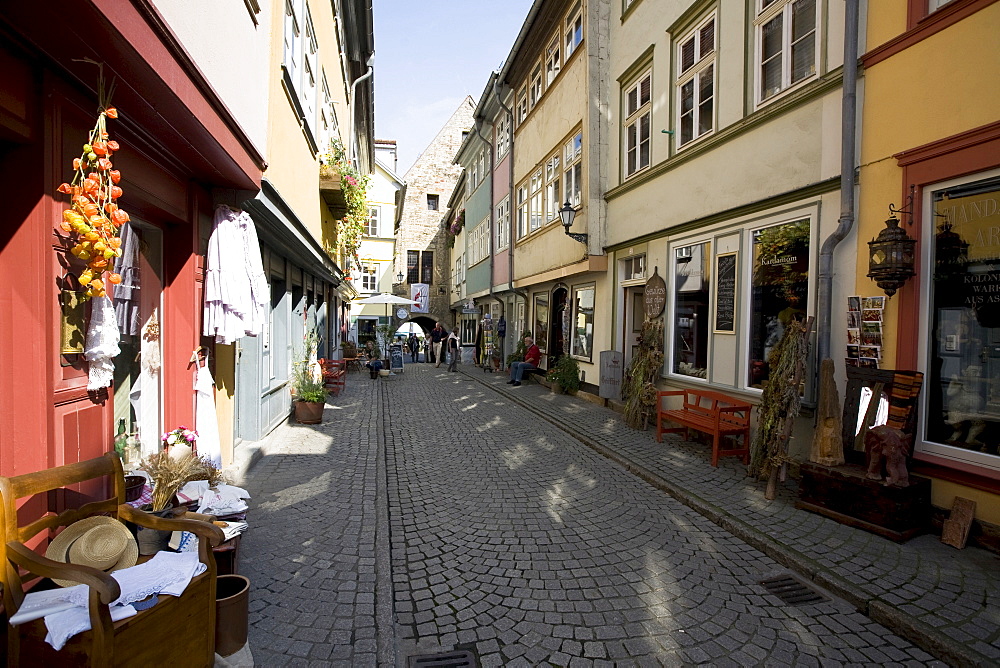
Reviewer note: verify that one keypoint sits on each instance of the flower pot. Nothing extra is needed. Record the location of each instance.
(309, 412)
(556, 387)
(383, 372)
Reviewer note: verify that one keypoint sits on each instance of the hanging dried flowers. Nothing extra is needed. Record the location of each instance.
(94, 217)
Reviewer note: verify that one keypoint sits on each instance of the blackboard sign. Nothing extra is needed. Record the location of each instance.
(725, 294)
(396, 357)
(655, 295)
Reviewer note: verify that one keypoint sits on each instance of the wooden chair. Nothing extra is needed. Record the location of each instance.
(177, 631)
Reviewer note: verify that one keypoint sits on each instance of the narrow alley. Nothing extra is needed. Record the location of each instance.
(433, 511)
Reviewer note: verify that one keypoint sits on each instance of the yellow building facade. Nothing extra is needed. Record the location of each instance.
(931, 147)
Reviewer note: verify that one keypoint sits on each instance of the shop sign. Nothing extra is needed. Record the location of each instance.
(470, 308)
(612, 368)
(655, 295)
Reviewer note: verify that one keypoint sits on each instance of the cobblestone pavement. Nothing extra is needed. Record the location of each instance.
(946, 600)
(310, 554)
(510, 536)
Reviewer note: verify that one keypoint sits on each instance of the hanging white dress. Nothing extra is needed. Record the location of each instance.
(102, 343)
(207, 420)
(145, 394)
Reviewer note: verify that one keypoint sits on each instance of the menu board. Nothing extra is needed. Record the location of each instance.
(725, 294)
(396, 357)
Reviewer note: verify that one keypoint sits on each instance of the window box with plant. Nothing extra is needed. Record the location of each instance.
(565, 375)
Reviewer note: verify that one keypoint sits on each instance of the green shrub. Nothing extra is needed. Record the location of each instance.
(566, 372)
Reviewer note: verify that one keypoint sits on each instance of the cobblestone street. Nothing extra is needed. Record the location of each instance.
(508, 537)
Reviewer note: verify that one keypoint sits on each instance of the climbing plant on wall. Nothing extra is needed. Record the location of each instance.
(350, 228)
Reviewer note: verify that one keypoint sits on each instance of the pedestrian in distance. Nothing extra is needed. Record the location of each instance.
(414, 344)
(532, 358)
(453, 350)
(438, 335)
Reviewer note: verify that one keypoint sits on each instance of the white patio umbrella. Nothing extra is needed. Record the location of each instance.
(387, 299)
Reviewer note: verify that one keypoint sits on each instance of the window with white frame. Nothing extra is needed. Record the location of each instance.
(369, 276)
(479, 242)
(634, 268)
(522, 211)
(329, 129)
(522, 106)
(696, 82)
(574, 29)
(573, 170)
(371, 226)
(934, 5)
(310, 70)
(786, 45)
(638, 110)
(582, 329)
(482, 165)
(552, 190)
(502, 135)
(552, 60)
(535, 86)
(473, 179)
(503, 223)
(537, 202)
(292, 54)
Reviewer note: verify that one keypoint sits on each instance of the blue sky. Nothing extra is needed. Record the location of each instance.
(430, 54)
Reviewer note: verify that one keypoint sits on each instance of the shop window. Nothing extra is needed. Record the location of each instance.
(541, 311)
(779, 290)
(691, 317)
(469, 326)
(962, 419)
(582, 341)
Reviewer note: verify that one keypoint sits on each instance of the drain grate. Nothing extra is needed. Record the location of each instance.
(793, 591)
(456, 659)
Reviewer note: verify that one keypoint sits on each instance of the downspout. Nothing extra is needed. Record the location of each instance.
(847, 159)
(354, 92)
(513, 206)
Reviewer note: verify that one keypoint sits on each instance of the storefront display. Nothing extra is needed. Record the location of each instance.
(691, 321)
(964, 341)
(779, 291)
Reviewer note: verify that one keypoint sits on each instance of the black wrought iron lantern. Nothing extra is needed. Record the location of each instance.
(891, 257)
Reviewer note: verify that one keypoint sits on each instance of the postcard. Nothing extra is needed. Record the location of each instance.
(854, 303)
(853, 337)
(871, 351)
(871, 315)
(868, 362)
(872, 302)
(854, 319)
(852, 361)
(854, 351)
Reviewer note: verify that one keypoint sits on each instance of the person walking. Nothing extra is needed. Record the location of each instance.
(453, 342)
(414, 344)
(438, 335)
(532, 358)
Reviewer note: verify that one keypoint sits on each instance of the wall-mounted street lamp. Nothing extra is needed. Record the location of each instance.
(891, 254)
(399, 277)
(566, 215)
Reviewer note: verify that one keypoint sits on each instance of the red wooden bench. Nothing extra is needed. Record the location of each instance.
(710, 413)
(334, 374)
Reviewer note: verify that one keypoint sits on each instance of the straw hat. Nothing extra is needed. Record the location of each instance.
(100, 542)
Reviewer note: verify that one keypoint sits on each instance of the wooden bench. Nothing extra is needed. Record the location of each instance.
(710, 413)
(334, 374)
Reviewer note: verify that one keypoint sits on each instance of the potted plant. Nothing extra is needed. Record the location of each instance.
(307, 384)
(565, 375)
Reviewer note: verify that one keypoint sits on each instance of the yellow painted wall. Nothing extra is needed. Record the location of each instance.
(940, 87)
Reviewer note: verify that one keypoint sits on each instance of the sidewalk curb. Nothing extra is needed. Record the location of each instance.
(920, 634)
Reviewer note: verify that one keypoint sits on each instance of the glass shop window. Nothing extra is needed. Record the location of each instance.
(779, 290)
(963, 392)
(541, 310)
(691, 316)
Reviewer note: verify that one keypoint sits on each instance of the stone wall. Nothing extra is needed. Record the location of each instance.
(434, 173)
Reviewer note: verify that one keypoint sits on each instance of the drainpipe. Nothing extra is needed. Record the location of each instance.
(493, 249)
(354, 92)
(513, 206)
(847, 160)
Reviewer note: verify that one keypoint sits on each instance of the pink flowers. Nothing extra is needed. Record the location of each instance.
(352, 181)
(180, 435)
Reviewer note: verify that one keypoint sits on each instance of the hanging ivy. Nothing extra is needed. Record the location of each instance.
(350, 228)
(639, 383)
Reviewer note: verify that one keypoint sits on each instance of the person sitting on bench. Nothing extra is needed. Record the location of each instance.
(532, 358)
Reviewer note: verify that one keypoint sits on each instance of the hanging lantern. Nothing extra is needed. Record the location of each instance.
(891, 257)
